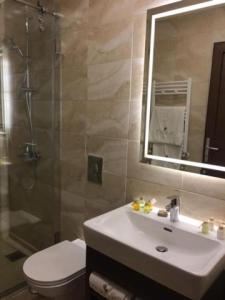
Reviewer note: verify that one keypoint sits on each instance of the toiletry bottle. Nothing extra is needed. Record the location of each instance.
(135, 205)
(205, 227)
(141, 203)
(221, 232)
(211, 224)
(148, 207)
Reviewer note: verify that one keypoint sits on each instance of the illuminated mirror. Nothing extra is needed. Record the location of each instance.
(184, 87)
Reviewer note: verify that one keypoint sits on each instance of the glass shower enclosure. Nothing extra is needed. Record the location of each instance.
(29, 134)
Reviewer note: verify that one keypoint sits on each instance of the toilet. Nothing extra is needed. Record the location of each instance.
(58, 270)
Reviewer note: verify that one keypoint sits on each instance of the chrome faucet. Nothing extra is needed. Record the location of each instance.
(174, 208)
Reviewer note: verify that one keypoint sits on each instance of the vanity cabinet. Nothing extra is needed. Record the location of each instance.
(140, 286)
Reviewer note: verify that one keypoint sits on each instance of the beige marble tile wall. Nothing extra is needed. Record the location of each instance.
(103, 46)
(96, 45)
(73, 115)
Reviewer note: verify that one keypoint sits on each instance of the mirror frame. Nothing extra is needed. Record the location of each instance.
(152, 15)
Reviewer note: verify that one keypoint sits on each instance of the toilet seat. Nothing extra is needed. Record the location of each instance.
(54, 283)
(56, 265)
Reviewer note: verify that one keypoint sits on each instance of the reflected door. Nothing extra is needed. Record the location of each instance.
(214, 147)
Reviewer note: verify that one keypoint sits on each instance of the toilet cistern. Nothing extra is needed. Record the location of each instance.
(174, 208)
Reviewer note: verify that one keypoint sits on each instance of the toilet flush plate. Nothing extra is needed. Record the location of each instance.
(95, 165)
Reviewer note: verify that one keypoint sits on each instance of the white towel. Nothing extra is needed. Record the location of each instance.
(165, 150)
(167, 125)
(170, 151)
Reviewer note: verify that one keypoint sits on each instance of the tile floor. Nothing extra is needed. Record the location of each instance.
(10, 272)
(23, 295)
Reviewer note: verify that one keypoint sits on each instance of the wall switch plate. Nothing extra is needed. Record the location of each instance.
(95, 169)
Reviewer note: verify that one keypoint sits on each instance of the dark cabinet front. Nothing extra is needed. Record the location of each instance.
(140, 286)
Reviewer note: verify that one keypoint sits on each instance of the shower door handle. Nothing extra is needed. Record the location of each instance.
(209, 148)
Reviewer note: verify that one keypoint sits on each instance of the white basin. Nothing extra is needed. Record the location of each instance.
(191, 264)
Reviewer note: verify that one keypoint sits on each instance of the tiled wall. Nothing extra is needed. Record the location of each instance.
(102, 73)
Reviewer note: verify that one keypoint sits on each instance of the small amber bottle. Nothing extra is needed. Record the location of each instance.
(135, 205)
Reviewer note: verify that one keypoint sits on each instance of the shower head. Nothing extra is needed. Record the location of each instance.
(41, 7)
(41, 14)
(10, 43)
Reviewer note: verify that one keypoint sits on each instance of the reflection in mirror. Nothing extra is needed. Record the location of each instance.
(185, 121)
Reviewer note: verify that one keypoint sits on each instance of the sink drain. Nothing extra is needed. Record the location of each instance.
(161, 249)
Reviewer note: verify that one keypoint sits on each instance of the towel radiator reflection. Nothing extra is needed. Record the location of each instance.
(176, 88)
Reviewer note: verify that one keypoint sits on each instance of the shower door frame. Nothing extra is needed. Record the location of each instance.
(54, 95)
(2, 127)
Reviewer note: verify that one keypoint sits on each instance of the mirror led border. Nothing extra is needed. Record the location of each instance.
(150, 72)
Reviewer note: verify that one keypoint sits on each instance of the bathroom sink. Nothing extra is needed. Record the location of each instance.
(175, 255)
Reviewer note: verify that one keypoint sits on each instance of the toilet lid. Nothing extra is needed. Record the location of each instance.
(56, 263)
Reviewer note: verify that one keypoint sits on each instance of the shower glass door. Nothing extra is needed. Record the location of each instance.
(30, 136)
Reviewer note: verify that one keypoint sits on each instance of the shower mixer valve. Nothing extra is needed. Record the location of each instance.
(30, 152)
